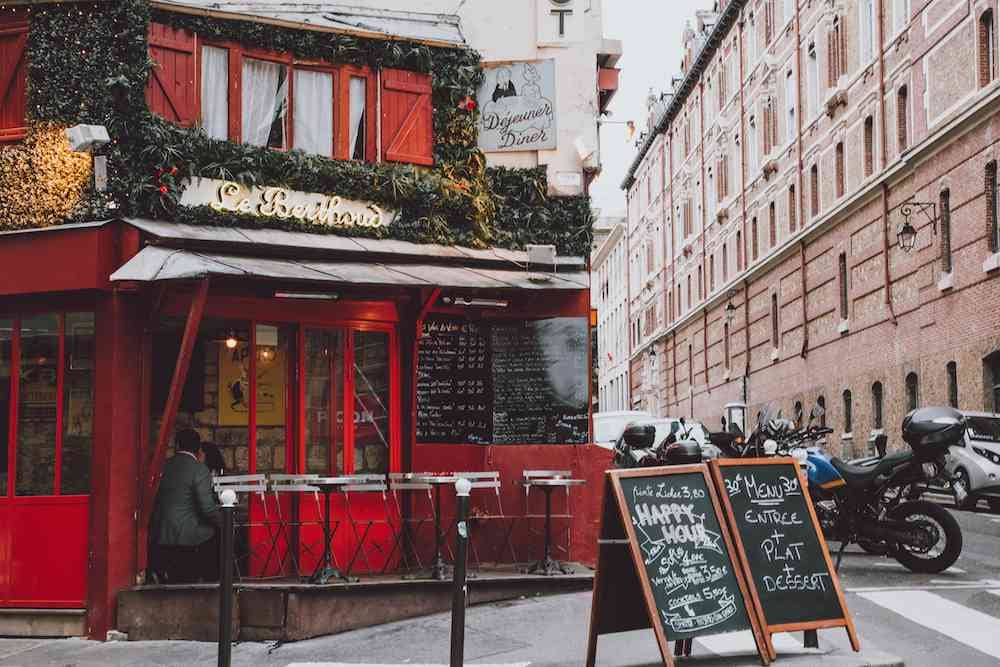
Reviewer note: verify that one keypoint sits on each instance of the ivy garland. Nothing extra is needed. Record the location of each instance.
(90, 63)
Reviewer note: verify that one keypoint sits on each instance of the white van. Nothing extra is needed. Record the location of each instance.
(608, 426)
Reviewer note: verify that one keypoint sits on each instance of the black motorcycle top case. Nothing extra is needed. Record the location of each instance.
(930, 431)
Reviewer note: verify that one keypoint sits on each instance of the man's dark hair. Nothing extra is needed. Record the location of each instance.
(188, 440)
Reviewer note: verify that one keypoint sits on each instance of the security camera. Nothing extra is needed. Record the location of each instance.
(87, 138)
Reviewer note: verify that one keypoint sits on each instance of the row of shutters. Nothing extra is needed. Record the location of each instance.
(406, 112)
(172, 92)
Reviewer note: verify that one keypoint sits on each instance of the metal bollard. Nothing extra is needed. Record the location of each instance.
(462, 488)
(228, 498)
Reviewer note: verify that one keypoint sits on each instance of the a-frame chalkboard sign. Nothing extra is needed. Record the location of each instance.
(780, 546)
(664, 541)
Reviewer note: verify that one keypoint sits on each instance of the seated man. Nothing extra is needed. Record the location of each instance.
(186, 518)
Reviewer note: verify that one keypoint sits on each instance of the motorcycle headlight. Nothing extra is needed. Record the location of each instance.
(931, 470)
(800, 455)
(770, 447)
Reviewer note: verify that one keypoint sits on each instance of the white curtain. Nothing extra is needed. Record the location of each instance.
(264, 93)
(312, 113)
(214, 92)
(357, 101)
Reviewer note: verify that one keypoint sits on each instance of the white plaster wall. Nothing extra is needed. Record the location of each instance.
(505, 30)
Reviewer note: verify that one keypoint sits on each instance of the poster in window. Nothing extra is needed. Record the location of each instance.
(517, 106)
(234, 385)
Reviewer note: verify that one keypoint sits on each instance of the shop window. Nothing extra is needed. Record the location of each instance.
(270, 367)
(6, 364)
(951, 368)
(13, 78)
(912, 391)
(323, 357)
(848, 412)
(371, 402)
(877, 404)
(47, 363)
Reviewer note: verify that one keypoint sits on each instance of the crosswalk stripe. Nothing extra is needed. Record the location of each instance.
(968, 626)
(899, 566)
(742, 642)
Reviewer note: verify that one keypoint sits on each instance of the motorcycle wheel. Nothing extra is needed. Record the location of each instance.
(944, 552)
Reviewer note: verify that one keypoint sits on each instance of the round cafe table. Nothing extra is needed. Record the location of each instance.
(440, 570)
(326, 568)
(548, 565)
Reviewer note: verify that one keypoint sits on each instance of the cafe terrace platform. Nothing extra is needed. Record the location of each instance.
(291, 611)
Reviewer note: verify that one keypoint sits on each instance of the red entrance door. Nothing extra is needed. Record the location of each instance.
(46, 435)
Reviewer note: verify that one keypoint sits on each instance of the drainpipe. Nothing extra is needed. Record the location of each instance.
(669, 137)
(746, 337)
(704, 342)
(805, 315)
(885, 161)
(743, 161)
(628, 288)
(800, 188)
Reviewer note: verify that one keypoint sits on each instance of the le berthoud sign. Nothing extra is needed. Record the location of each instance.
(517, 107)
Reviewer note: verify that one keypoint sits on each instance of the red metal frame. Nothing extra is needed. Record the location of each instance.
(60, 386)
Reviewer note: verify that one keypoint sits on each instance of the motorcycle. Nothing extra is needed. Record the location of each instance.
(874, 506)
(636, 447)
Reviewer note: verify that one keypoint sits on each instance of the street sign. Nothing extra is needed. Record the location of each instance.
(780, 545)
(682, 565)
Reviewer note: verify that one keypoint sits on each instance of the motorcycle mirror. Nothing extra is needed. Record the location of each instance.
(682, 421)
(880, 444)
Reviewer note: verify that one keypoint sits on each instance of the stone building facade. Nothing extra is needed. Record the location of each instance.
(609, 276)
(801, 138)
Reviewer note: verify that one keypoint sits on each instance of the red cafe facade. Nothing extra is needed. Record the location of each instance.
(112, 329)
(293, 352)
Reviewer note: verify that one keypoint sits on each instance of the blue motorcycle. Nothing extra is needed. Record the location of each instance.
(876, 504)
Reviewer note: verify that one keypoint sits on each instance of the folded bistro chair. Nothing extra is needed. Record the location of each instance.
(370, 485)
(406, 525)
(486, 507)
(528, 476)
(283, 550)
(246, 486)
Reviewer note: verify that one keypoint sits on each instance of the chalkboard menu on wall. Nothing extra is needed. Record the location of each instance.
(454, 388)
(787, 559)
(523, 382)
(540, 381)
(689, 567)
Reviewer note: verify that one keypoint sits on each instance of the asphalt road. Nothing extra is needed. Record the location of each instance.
(902, 618)
(952, 618)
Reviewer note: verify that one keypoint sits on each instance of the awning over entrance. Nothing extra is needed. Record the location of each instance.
(155, 263)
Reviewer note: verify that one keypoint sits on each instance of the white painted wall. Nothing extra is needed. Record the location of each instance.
(505, 30)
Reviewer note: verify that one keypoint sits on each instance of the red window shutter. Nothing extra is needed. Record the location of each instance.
(13, 76)
(172, 89)
(407, 121)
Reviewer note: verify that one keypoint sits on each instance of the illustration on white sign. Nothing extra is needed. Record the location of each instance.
(518, 108)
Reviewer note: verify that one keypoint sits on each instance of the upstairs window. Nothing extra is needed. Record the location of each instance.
(739, 251)
(912, 391)
(900, 14)
(987, 49)
(772, 222)
(945, 209)
(844, 303)
(282, 102)
(813, 80)
(866, 29)
(836, 53)
(951, 368)
(992, 227)
(775, 331)
(869, 148)
(711, 273)
(13, 78)
(839, 152)
(791, 92)
(753, 240)
(725, 262)
(814, 189)
(725, 344)
(877, 400)
(792, 206)
(848, 412)
(902, 96)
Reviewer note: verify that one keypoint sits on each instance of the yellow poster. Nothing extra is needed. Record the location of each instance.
(234, 385)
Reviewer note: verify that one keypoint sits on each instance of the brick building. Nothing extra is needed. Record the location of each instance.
(771, 191)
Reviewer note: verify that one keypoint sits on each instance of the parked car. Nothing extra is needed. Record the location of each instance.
(608, 426)
(975, 464)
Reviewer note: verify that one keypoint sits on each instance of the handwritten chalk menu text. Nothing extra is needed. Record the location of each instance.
(540, 381)
(787, 561)
(690, 570)
(523, 382)
(454, 389)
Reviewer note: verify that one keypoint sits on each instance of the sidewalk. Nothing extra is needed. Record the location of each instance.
(541, 632)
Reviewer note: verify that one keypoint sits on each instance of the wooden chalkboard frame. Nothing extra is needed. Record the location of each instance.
(615, 519)
(768, 630)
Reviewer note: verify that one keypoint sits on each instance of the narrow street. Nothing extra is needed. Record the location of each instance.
(901, 617)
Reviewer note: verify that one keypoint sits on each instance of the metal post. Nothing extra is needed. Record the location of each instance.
(228, 499)
(462, 488)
